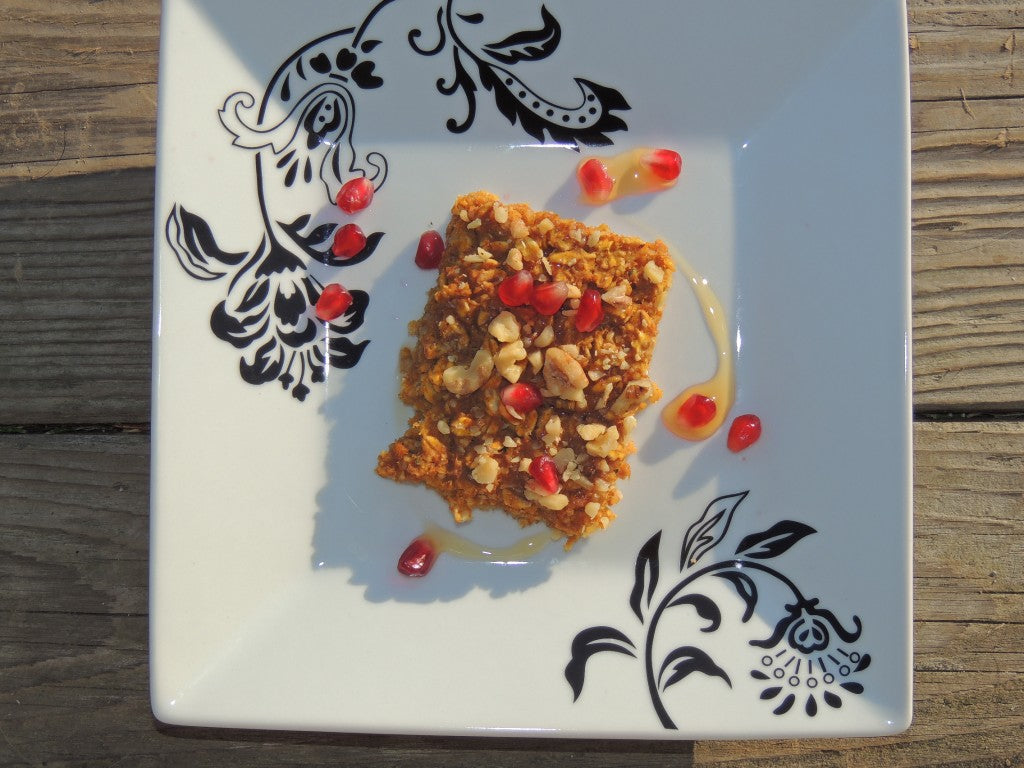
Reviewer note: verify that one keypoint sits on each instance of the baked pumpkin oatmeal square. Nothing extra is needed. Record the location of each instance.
(530, 366)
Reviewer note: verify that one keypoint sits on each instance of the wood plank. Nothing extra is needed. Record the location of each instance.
(953, 14)
(77, 86)
(73, 688)
(981, 62)
(61, 46)
(76, 299)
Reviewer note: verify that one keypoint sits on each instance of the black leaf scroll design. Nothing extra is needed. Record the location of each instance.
(585, 123)
(809, 658)
(302, 136)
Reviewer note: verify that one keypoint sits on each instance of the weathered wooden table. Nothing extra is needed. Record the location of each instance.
(77, 113)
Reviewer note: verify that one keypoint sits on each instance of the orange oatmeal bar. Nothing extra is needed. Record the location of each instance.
(463, 441)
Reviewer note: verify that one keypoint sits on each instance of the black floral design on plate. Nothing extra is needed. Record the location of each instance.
(808, 658)
(302, 136)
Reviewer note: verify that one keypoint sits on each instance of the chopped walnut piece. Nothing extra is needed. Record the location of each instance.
(590, 432)
(464, 379)
(564, 375)
(486, 470)
(653, 272)
(554, 501)
(634, 397)
(508, 358)
(514, 260)
(617, 295)
(504, 327)
(605, 443)
(545, 337)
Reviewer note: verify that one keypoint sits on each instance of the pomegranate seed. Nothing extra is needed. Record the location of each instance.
(698, 410)
(333, 302)
(547, 298)
(545, 473)
(418, 558)
(663, 163)
(744, 432)
(355, 195)
(594, 179)
(430, 250)
(349, 240)
(590, 312)
(522, 397)
(516, 289)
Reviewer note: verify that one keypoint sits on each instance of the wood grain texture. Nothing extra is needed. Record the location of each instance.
(77, 86)
(73, 623)
(76, 299)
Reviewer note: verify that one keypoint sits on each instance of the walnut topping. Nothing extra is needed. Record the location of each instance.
(552, 432)
(605, 443)
(592, 508)
(519, 230)
(564, 458)
(463, 379)
(653, 272)
(545, 337)
(545, 225)
(514, 260)
(553, 501)
(443, 428)
(500, 213)
(590, 432)
(504, 327)
(508, 358)
(486, 470)
(474, 224)
(618, 295)
(564, 376)
(536, 360)
(635, 395)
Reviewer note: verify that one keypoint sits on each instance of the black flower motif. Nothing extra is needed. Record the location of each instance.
(302, 136)
(804, 659)
(809, 653)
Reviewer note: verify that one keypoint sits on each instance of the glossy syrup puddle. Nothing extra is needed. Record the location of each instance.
(454, 544)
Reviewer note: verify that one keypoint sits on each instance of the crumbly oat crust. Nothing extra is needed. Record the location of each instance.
(462, 441)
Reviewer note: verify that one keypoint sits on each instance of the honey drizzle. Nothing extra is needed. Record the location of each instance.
(458, 546)
(629, 176)
(721, 387)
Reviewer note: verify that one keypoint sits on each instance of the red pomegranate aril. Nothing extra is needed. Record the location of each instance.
(418, 558)
(698, 410)
(545, 473)
(590, 312)
(522, 397)
(744, 432)
(548, 298)
(663, 163)
(594, 179)
(349, 240)
(430, 250)
(334, 301)
(355, 195)
(516, 289)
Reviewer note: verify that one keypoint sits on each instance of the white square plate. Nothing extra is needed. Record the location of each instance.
(759, 594)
